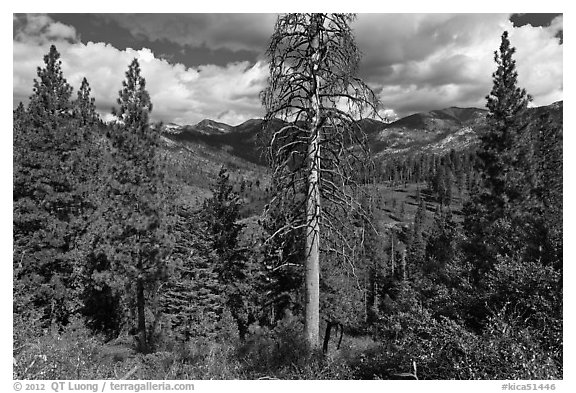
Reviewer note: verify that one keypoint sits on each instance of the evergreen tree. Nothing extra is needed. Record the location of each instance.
(506, 104)
(441, 184)
(416, 242)
(221, 213)
(440, 244)
(488, 220)
(420, 216)
(19, 116)
(51, 200)
(549, 191)
(50, 104)
(373, 254)
(84, 107)
(282, 262)
(137, 241)
(193, 298)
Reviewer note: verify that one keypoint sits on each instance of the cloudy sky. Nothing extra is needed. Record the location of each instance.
(201, 66)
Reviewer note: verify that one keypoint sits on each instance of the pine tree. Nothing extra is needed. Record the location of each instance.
(488, 220)
(440, 245)
(506, 104)
(373, 254)
(19, 116)
(50, 104)
(221, 213)
(549, 190)
(137, 238)
(420, 216)
(134, 101)
(282, 261)
(51, 202)
(193, 298)
(416, 246)
(84, 107)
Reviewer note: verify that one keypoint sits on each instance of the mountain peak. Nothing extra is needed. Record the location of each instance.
(209, 127)
(212, 124)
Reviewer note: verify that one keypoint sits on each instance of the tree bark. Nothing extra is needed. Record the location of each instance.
(312, 320)
(312, 278)
(140, 304)
(392, 257)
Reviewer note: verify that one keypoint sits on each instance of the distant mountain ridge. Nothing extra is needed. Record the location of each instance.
(437, 131)
(210, 127)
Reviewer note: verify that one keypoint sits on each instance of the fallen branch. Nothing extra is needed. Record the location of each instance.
(129, 373)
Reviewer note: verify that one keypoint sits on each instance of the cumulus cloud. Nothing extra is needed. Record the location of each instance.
(557, 24)
(414, 62)
(539, 59)
(179, 94)
(420, 62)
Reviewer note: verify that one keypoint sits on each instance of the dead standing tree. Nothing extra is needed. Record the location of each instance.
(314, 90)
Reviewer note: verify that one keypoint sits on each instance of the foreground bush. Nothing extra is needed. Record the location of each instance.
(68, 354)
(438, 347)
(443, 349)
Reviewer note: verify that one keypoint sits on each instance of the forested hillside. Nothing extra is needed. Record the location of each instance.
(154, 251)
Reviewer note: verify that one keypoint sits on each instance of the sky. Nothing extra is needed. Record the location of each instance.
(200, 66)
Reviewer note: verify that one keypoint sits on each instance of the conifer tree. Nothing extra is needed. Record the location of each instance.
(420, 216)
(50, 103)
(192, 299)
(54, 171)
(137, 238)
(84, 107)
(221, 213)
(506, 104)
(440, 245)
(488, 217)
(416, 246)
(19, 116)
(373, 254)
(548, 191)
(282, 256)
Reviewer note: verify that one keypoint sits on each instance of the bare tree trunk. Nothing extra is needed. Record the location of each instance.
(140, 304)
(313, 63)
(312, 320)
(312, 278)
(404, 267)
(370, 296)
(392, 257)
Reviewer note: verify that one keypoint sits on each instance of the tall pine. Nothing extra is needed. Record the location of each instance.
(506, 104)
(488, 223)
(84, 106)
(48, 205)
(137, 240)
(50, 104)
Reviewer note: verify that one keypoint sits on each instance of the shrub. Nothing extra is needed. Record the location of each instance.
(509, 349)
(71, 353)
(444, 349)
(268, 351)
